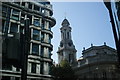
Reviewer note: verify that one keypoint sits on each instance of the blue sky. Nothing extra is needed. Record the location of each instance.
(90, 23)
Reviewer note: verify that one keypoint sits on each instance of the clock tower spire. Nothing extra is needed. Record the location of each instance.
(66, 50)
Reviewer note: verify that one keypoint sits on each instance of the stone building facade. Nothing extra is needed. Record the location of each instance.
(98, 62)
(41, 21)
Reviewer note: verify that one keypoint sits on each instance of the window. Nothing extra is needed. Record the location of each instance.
(3, 25)
(5, 77)
(30, 6)
(68, 35)
(13, 28)
(71, 57)
(4, 11)
(50, 38)
(41, 68)
(33, 68)
(42, 10)
(36, 22)
(42, 37)
(42, 51)
(49, 53)
(23, 3)
(104, 75)
(17, 3)
(36, 8)
(22, 18)
(6, 66)
(30, 18)
(35, 49)
(36, 35)
(17, 78)
(42, 24)
(15, 14)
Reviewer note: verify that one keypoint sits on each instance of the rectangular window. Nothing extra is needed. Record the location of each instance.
(36, 22)
(23, 3)
(18, 3)
(33, 68)
(22, 18)
(30, 18)
(13, 28)
(17, 78)
(5, 77)
(42, 51)
(68, 35)
(50, 38)
(3, 25)
(41, 68)
(4, 11)
(35, 49)
(49, 53)
(36, 8)
(42, 24)
(36, 35)
(15, 14)
(42, 10)
(42, 37)
(71, 58)
(30, 5)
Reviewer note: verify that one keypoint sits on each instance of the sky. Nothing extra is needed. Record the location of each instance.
(90, 24)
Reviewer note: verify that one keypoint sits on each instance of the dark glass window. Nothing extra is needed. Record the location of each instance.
(50, 53)
(23, 3)
(4, 11)
(13, 28)
(30, 6)
(6, 66)
(17, 3)
(5, 77)
(42, 24)
(71, 58)
(15, 14)
(3, 25)
(68, 35)
(17, 78)
(36, 8)
(50, 39)
(41, 68)
(42, 37)
(30, 18)
(33, 68)
(35, 49)
(36, 22)
(42, 51)
(22, 18)
(36, 34)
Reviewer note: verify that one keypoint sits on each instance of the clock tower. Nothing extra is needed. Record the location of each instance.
(66, 50)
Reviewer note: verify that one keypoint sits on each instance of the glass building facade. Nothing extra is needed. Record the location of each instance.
(41, 21)
(113, 7)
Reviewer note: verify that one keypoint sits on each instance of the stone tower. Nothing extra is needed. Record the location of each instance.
(66, 50)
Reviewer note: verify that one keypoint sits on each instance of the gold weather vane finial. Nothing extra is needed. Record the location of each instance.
(65, 15)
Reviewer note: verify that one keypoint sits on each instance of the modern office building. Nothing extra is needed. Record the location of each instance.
(67, 50)
(39, 13)
(113, 7)
(98, 63)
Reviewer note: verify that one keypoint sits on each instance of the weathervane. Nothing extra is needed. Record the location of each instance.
(65, 15)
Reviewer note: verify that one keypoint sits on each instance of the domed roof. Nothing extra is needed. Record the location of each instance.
(65, 22)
